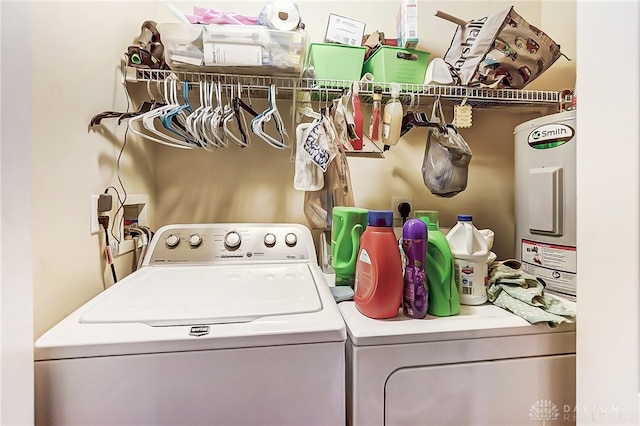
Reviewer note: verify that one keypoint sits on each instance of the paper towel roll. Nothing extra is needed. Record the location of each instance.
(280, 15)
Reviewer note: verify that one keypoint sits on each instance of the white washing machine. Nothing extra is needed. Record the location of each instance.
(484, 366)
(224, 324)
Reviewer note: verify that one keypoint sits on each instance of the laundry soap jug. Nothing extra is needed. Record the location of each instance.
(470, 253)
(347, 225)
(444, 299)
(378, 280)
(392, 117)
(415, 294)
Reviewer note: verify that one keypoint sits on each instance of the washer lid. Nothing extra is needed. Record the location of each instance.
(166, 296)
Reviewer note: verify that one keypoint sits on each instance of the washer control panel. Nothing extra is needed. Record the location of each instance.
(235, 242)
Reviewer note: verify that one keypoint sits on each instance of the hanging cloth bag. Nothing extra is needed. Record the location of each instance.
(446, 157)
(336, 191)
(500, 50)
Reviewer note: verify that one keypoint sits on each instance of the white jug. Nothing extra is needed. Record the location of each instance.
(470, 254)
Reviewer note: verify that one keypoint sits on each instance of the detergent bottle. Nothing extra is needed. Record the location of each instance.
(378, 278)
(470, 253)
(415, 295)
(347, 225)
(444, 299)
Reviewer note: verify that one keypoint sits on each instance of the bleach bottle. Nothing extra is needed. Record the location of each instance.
(470, 253)
(378, 277)
(415, 295)
(444, 299)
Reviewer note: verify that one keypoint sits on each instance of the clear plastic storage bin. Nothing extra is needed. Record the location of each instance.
(234, 49)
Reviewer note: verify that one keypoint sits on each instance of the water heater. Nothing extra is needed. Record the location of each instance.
(545, 200)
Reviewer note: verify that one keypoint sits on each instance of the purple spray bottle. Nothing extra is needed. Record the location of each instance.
(415, 296)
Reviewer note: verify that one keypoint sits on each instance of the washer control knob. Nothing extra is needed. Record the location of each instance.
(232, 240)
(291, 239)
(172, 241)
(269, 240)
(195, 240)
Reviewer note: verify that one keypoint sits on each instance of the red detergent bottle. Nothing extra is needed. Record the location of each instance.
(378, 278)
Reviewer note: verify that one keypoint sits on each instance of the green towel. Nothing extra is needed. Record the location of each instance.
(522, 294)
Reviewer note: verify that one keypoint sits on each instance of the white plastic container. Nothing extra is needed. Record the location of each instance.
(392, 117)
(470, 253)
(234, 49)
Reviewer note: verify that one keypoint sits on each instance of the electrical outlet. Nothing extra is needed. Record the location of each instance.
(93, 214)
(396, 201)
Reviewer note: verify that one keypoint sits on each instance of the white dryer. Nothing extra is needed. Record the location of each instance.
(224, 324)
(484, 366)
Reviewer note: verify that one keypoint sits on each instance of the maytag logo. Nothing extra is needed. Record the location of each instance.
(550, 136)
(199, 330)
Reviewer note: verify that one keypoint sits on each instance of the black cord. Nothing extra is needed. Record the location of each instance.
(122, 200)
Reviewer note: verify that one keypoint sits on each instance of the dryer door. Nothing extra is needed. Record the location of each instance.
(507, 392)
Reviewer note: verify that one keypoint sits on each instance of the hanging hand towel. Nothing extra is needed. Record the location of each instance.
(522, 294)
(312, 157)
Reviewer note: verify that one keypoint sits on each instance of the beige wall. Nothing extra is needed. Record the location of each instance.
(75, 75)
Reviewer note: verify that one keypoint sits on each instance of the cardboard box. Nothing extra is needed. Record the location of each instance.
(343, 30)
(407, 24)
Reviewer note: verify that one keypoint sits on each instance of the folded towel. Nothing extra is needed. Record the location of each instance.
(513, 289)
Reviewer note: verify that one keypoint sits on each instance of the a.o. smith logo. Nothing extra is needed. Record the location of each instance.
(550, 136)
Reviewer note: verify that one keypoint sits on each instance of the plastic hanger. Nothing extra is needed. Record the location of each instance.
(202, 124)
(200, 121)
(149, 118)
(229, 116)
(170, 119)
(216, 118)
(190, 123)
(306, 109)
(209, 122)
(241, 120)
(257, 123)
(145, 106)
(140, 119)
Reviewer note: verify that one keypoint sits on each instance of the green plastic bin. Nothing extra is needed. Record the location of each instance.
(336, 61)
(396, 64)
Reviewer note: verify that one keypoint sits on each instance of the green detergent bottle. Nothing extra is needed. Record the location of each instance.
(444, 299)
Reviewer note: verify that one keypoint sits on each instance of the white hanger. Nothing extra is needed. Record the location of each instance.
(202, 123)
(162, 140)
(190, 123)
(257, 123)
(148, 119)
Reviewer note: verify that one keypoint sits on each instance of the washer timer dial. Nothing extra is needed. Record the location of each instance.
(232, 240)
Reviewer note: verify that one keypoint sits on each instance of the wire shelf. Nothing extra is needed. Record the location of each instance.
(288, 86)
